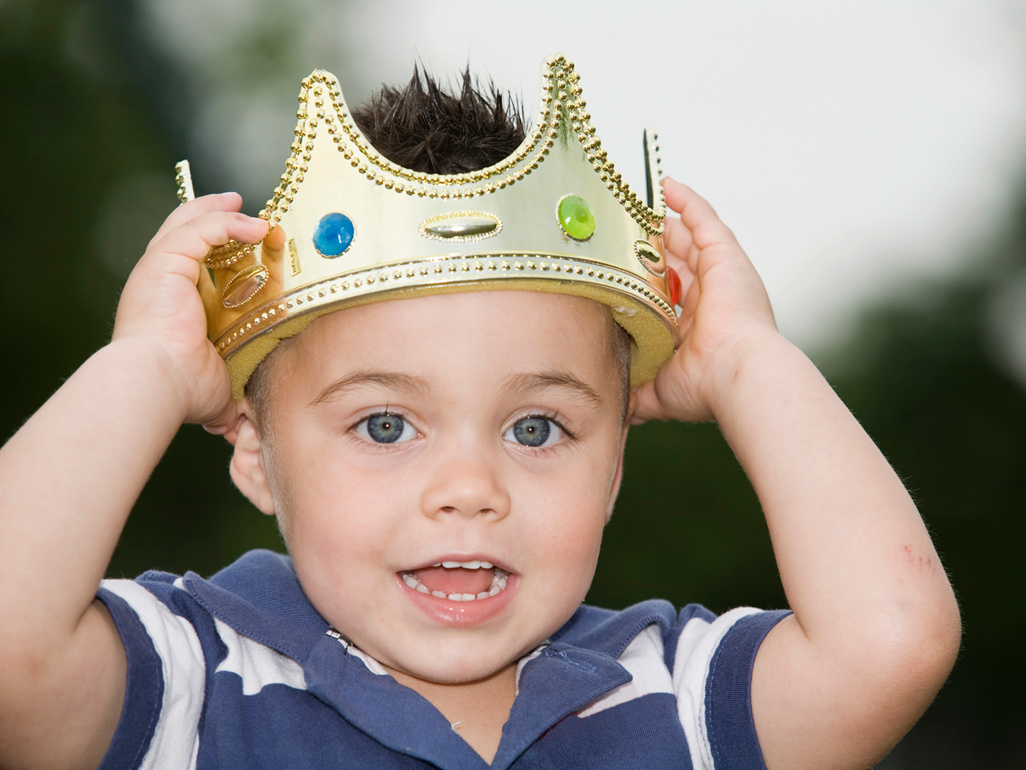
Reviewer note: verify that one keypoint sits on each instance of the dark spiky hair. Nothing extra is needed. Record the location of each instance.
(424, 128)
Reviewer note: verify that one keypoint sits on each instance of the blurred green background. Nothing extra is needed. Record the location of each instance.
(94, 115)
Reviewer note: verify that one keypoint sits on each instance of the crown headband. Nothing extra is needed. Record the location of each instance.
(554, 216)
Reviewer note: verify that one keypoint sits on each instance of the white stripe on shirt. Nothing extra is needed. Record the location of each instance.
(175, 741)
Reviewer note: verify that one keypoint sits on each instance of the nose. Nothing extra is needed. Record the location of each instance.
(466, 480)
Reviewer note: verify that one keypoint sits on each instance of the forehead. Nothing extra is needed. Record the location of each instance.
(442, 336)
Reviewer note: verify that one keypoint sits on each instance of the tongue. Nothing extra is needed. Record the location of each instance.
(455, 581)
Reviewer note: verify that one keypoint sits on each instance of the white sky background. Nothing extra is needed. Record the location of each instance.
(850, 145)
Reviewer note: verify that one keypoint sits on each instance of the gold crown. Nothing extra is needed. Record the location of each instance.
(554, 216)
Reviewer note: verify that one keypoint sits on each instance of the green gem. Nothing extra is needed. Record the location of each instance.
(575, 217)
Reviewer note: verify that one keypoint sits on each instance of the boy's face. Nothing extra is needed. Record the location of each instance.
(447, 430)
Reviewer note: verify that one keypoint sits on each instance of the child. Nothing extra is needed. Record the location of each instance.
(432, 393)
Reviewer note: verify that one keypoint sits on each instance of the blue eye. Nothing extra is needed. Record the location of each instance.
(385, 428)
(534, 432)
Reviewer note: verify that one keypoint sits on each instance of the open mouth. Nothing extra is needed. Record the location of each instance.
(458, 581)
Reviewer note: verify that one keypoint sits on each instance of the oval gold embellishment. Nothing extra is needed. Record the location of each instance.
(461, 226)
(649, 257)
(243, 286)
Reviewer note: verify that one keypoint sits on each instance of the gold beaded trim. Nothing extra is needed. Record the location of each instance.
(440, 270)
(232, 252)
(183, 178)
(560, 92)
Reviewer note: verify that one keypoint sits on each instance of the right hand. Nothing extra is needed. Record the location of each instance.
(161, 307)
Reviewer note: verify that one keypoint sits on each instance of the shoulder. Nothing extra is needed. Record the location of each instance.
(183, 634)
(178, 612)
(692, 662)
(679, 634)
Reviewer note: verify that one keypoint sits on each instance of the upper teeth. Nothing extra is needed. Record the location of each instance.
(464, 564)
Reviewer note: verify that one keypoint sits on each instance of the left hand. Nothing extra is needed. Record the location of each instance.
(725, 312)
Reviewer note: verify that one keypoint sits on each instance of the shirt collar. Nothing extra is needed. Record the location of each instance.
(260, 597)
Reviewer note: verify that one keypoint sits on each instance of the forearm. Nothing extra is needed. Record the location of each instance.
(875, 627)
(68, 480)
(70, 476)
(850, 545)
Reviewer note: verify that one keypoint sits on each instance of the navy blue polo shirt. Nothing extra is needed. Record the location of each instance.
(240, 671)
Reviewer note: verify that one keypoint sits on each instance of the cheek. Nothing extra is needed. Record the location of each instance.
(300, 490)
(579, 522)
(568, 524)
(339, 519)
(279, 486)
(570, 568)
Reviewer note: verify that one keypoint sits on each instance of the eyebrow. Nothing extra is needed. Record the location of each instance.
(391, 380)
(554, 379)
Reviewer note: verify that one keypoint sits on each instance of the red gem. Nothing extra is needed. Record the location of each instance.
(673, 282)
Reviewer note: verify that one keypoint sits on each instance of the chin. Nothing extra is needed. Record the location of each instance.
(464, 671)
(456, 667)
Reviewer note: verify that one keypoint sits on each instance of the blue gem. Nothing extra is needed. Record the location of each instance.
(334, 234)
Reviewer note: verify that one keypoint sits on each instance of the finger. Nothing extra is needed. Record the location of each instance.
(640, 413)
(647, 404)
(199, 235)
(678, 195)
(227, 423)
(697, 215)
(676, 239)
(229, 201)
(692, 293)
(274, 244)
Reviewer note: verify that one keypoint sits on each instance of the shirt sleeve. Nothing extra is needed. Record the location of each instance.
(712, 680)
(166, 681)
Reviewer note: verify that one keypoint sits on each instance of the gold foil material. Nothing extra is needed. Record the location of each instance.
(426, 234)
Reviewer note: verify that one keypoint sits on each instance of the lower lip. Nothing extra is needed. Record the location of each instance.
(460, 614)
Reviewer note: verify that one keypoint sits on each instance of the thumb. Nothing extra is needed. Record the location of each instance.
(226, 423)
(646, 404)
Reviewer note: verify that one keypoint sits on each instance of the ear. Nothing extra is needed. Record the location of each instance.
(247, 465)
